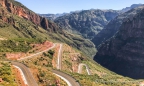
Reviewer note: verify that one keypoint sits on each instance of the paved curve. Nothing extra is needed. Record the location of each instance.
(38, 53)
(80, 68)
(71, 80)
(28, 75)
(59, 57)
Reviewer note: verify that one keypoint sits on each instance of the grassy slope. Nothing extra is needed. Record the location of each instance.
(41, 66)
(100, 75)
(26, 29)
(7, 75)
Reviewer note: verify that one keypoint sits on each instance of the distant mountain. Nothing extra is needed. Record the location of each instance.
(131, 7)
(23, 32)
(52, 16)
(87, 23)
(113, 26)
(124, 52)
(17, 21)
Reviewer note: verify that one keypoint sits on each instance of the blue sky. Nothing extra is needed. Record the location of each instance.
(60, 6)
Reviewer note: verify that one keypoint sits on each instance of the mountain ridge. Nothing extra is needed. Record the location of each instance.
(123, 53)
(113, 26)
(87, 22)
(17, 21)
(131, 7)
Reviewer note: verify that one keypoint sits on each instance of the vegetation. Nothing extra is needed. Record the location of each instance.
(17, 45)
(7, 75)
(100, 75)
(78, 42)
(88, 23)
(41, 67)
(24, 29)
(49, 54)
(109, 80)
(22, 33)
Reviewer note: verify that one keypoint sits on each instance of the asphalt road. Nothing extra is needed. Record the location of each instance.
(71, 80)
(30, 79)
(80, 68)
(59, 57)
(28, 75)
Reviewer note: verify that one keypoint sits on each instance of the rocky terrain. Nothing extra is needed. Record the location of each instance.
(87, 23)
(17, 21)
(113, 26)
(50, 47)
(20, 10)
(123, 53)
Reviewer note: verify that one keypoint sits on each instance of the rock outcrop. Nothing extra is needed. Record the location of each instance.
(20, 10)
(124, 52)
(113, 26)
(17, 21)
(87, 23)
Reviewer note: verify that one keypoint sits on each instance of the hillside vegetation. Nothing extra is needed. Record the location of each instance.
(20, 22)
(87, 23)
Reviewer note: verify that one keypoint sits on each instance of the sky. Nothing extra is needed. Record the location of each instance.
(61, 6)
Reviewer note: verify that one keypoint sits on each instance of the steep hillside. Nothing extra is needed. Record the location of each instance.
(114, 25)
(17, 21)
(41, 66)
(24, 40)
(18, 9)
(124, 52)
(7, 75)
(87, 23)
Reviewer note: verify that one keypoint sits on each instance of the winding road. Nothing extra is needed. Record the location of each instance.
(80, 68)
(69, 80)
(29, 77)
(27, 74)
(37, 53)
(59, 57)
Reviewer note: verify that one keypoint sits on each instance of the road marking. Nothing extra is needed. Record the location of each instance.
(22, 75)
(69, 84)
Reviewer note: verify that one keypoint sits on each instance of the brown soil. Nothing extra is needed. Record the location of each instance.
(1, 80)
(3, 39)
(54, 60)
(41, 47)
(19, 77)
(36, 48)
(72, 56)
(15, 56)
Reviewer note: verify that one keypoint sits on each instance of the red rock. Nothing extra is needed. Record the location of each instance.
(1, 80)
(27, 14)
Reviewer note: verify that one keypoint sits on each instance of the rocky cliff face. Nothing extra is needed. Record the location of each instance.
(18, 9)
(88, 23)
(124, 52)
(113, 26)
(17, 21)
